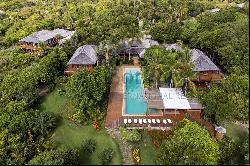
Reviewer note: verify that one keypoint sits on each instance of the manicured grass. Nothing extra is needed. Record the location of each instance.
(53, 102)
(148, 151)
(70, 135)
(237, 132)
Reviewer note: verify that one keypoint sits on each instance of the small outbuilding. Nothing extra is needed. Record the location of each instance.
(48, 37)
(207, 70)
(84, 57)
(220, 132)
(172, 103)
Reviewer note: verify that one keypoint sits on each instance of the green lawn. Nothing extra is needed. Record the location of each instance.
(237, 132)
(148, 151)
(68, 134)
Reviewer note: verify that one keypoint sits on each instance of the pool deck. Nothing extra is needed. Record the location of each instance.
(115, 103)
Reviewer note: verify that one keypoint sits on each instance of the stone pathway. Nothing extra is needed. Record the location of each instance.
(125, 148)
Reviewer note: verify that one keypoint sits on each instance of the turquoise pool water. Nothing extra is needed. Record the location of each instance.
(135, 103)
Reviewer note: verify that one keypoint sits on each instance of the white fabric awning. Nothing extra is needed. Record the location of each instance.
(173, 98)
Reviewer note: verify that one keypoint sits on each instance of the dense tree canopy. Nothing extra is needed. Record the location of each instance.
(88, 91)
(227, 99)
(223, 35)
(166, 32)
(23, 132)
(189, 145)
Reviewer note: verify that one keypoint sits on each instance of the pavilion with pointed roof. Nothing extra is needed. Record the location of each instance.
(84, 57)
(135, 47)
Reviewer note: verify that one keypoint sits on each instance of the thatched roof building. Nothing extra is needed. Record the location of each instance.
(84, 55)
(201, 61)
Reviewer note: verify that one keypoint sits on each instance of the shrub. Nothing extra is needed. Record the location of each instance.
(228, 148)
(158, 136)
(89, 146)
(106, 156)
(95, 124)
(60, 83)
(130, 135)
(245, 150)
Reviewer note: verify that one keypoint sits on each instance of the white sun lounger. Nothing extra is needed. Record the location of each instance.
(129, 121)
(140, 121)
(164, 121)
(149, 120)
(169, 120)
(153, 120)
(135, 120)
(144, 120)
(125, 121)
(158, 121)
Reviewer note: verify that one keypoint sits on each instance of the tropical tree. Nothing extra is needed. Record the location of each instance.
(189, 145)
(161, 64)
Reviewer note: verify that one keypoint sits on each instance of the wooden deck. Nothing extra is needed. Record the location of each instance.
(114, 111)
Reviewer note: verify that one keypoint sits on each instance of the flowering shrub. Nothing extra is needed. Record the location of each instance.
(95, 124)
(77, 117)
(158, 136)
(136, 155)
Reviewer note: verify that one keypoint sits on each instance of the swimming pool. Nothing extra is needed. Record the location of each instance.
(135, 103)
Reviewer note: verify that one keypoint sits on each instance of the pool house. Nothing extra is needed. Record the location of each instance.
(171, 103)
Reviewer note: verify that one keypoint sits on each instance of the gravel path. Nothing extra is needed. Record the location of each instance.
(125, 148)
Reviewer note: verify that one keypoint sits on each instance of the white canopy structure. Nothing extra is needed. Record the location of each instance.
(173, 98)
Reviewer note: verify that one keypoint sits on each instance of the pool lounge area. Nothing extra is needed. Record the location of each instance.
(135, 107)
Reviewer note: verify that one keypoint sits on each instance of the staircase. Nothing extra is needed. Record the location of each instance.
(116, 123)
